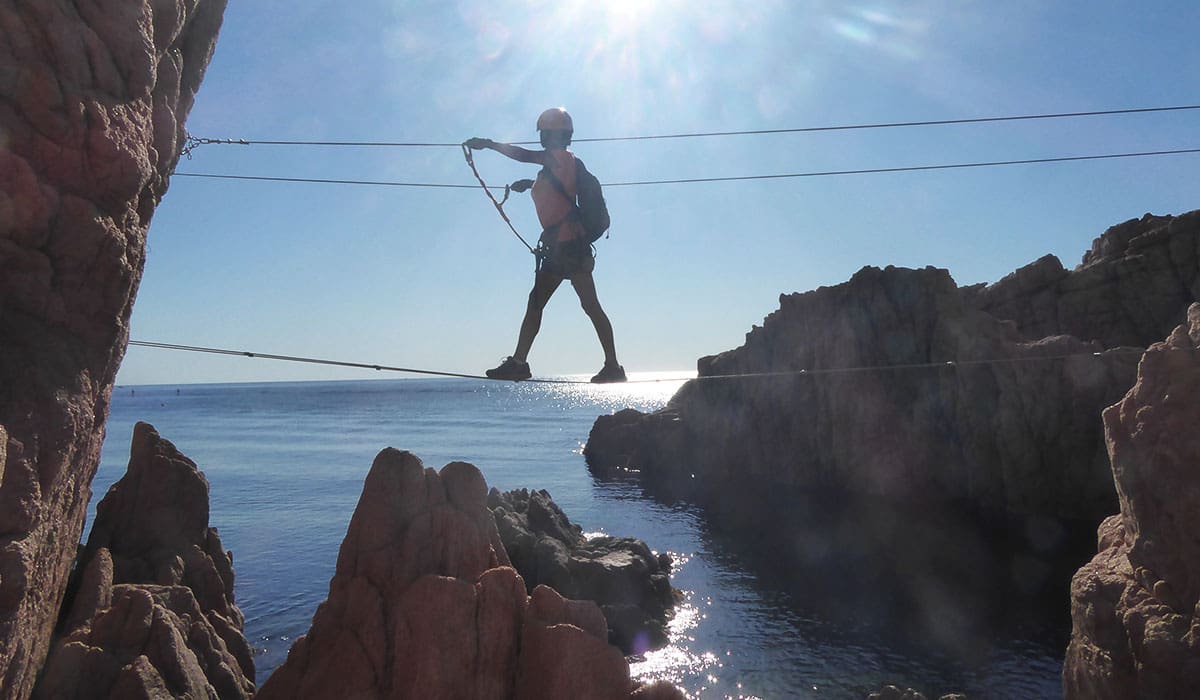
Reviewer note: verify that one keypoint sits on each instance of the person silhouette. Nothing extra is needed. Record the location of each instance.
(563, 251)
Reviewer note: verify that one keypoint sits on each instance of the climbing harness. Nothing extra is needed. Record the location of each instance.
(499, 204)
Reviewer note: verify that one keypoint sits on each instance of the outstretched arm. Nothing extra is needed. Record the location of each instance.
(524, 155)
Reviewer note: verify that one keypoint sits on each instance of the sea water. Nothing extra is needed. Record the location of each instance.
(286, 461)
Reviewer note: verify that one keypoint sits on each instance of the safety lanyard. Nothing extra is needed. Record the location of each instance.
(499, 204)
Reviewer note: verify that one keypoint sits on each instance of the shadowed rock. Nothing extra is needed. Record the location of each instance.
(1132, 288)
(423, 603)
(1135, 607)
(151, 613)
(899, 428)
(94, 98)
(620, 574)
(960, 410)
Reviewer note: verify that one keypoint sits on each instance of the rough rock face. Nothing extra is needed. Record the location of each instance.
(1132, 288)
(896, 428)
(424, 604)
(1135, 607)
(152, 607)
(620, 574)
(1020, 435)
(94, 97)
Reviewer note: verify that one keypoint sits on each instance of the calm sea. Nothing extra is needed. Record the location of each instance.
(286, 462)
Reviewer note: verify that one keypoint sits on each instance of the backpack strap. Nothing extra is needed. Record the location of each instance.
(558, 185)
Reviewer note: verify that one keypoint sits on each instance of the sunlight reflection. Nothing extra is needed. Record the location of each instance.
(646, 391)
(677, 662)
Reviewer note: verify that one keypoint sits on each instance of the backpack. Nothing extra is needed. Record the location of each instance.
(593, 212)
(589, 205)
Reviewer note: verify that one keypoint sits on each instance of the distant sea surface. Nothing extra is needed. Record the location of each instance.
(286, 463)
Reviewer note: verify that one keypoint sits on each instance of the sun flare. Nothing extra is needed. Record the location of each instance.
(623, 14)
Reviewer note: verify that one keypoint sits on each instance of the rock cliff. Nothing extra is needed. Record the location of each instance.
(889, 385)
(423, 603)
(620, 574)
(93, 98)
(1132, 287)
(899, 428)
(1135, 607)
(151, 611)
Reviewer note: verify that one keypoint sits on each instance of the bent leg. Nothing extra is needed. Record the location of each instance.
(544, 286)
(585, 287)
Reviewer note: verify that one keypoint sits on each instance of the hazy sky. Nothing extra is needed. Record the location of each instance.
(431, 278)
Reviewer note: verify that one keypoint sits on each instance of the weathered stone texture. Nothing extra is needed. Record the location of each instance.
(152, 603)
(1135, 607)
(897, 427)
(93, 97)
(1133, 286)
(424, 604)
(987, 396)
(963, 409)
(620, 574)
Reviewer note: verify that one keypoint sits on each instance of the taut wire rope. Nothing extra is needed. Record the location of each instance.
(694, 180)
(193, 141)
(944, 364)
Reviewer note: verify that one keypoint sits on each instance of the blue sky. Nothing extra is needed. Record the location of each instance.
(431, 278)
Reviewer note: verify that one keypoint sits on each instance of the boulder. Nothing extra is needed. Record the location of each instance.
(91, 126)
(151, 608)
(1135, 608)
(424, 603)
(630, 583)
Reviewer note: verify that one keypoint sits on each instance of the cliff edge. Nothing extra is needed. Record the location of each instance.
(937, 437)
(95, 95)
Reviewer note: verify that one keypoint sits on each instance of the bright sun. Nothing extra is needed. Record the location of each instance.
(623, 14)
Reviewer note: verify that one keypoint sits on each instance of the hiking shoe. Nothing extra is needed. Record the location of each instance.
(609, 374)
(510, 369)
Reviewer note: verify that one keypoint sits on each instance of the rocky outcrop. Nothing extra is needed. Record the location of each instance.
(897, 428)
(423, 603)
(1135, 607)
(1133, 286)
(93, 98)
(620, 574)
(151, 612)
(891, 386)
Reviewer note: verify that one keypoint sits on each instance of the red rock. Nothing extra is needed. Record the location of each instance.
(93, 122)
(565, 652)
(153, 610)
(1134, 607)
(423, 604)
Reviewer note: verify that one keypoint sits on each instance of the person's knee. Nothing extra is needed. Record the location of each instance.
(592, 307)
(538, 298)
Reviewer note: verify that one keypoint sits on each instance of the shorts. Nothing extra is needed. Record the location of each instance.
(565, 259)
